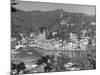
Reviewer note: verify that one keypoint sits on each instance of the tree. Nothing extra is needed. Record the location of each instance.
(86, 61)
(13, 9)
(63, 35)
(13, 66)
(21, 66)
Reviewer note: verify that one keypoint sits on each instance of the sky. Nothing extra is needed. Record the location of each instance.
(44, 6)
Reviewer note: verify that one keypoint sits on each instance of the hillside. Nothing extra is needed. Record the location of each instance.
(33, 21)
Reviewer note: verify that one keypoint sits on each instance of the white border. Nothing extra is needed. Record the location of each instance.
(5, 36)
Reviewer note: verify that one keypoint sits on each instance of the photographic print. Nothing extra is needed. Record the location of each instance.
(52, 37)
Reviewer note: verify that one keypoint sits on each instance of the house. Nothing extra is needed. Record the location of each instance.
(83, 33)
(83, 43)
(93, 23)
(63, 22)
(73, 37)
(13, 39)
(31, 65)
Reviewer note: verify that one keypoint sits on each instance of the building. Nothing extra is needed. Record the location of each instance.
(73, 43)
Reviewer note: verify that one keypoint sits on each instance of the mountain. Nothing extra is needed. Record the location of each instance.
(32, 21)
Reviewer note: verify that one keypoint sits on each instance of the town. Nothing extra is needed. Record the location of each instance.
(52, 40)
(39, 40)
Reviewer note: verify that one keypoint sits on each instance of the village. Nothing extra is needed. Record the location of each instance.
(39, 40)
(55, 40)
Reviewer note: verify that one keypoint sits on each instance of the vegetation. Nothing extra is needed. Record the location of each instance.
(33, 21)
(86, 61)
(18, 67)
